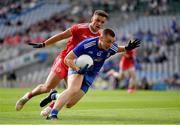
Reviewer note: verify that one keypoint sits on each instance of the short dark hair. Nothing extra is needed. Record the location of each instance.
(108, 31)
(101, 13)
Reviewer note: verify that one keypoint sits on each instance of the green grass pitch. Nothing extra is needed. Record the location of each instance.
(98, 107)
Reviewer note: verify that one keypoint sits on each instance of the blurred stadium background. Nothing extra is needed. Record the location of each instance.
(155, 22)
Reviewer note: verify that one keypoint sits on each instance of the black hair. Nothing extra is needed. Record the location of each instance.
(108, 31)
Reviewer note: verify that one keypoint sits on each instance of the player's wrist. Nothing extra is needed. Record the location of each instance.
(83, 70)
(127, 48)
(77, 69)
(43, 44)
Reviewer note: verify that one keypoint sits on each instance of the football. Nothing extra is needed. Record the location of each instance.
(84, 59)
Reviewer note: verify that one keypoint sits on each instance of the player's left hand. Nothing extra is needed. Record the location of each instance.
(37, 45)
(133, 44)
(83, 70)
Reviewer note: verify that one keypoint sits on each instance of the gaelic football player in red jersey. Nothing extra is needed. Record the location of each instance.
(76, 33)
(127, 68)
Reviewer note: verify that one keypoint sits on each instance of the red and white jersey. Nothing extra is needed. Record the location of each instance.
(127, 60)
(79, 33)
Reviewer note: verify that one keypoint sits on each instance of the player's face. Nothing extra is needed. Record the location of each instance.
(97, 22)
(107, 41)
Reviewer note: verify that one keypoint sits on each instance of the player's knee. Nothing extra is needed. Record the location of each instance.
(133, 76)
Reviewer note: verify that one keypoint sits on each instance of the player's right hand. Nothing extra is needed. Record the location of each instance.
(37, 45)
(83, 70)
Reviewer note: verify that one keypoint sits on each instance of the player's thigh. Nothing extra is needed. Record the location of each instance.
(52, 80)
(75, 98)
(65, 82)
(58, 72)
(121, 75)
(132, 73)
(60, 68)
(75, 81)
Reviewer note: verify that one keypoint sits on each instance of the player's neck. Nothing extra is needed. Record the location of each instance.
(91, 28)
(99, 45)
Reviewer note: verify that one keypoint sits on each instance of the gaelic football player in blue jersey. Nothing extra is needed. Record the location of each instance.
(80, 79)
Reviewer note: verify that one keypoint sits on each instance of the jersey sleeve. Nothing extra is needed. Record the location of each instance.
(74, 29)
(114, 49)
(79, 49)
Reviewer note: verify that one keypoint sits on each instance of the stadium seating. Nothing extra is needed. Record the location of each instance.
(153, 23)
(124, 24)
(45, 11)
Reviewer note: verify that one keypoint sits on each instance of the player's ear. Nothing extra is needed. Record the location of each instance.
(101, 38)
(92, 18)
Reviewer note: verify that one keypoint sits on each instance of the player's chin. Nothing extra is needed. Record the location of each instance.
(98, 28)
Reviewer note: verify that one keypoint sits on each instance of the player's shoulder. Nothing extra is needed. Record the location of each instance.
(90, 42)
(114, 47)
(82, 25)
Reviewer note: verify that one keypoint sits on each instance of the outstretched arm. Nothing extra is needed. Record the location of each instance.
(130, 46)
(58, 37)
(121, 49)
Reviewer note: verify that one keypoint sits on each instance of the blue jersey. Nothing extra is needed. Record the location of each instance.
(90, 47)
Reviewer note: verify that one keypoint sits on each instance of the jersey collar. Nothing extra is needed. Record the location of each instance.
(91, 30)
